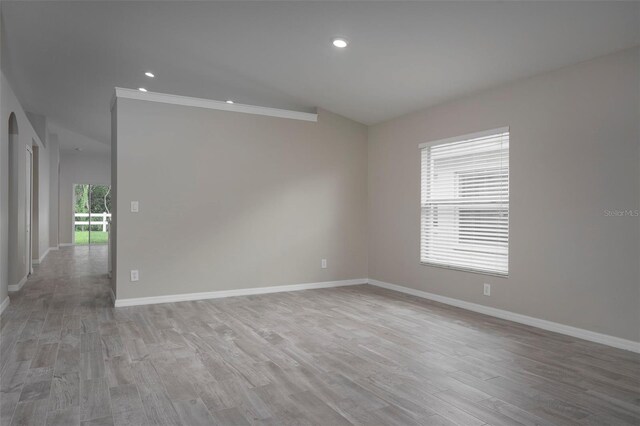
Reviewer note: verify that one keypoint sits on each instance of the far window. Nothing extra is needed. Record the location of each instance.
(465, 202)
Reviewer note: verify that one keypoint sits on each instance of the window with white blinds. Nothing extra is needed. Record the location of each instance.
(465, 202)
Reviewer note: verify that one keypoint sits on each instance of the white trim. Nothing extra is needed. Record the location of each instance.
(81, 245)
(230, 293)
(17, 287)
(580, 333)
(465, 137)
(211, 104)
(39, 261)
(4, 304)
(29, 212)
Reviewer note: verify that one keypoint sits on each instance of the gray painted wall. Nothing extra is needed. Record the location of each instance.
(13, 266)
(41, 202)
(574, 153)
(39, 124)
(231, 200)
(54, 195)
(113, 227)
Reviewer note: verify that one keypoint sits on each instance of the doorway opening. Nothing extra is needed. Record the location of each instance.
(92, 214)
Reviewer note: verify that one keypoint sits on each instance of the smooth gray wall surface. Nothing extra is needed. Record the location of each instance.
(54, 194)
(231, 200)
(41, 200)
(574, 154)
(113, 227)
(13, 265)
(39, 124)
(78, 168)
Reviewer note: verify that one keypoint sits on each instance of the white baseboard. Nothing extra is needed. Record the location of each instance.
(580, 333)
(39, 261)
(230, 293)
(81, 245)
(4, 304)
(17, 287)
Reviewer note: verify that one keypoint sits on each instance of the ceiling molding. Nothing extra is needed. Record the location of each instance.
(210, 104)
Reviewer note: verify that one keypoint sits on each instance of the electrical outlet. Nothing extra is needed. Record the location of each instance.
(487, 289)
(323, 264)
(134, 275)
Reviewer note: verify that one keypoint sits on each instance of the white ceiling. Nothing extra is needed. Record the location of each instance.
(64, 58)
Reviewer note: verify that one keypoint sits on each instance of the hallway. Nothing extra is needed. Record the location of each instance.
(66, 297)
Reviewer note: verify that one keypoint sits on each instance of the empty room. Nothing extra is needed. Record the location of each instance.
(320, 213)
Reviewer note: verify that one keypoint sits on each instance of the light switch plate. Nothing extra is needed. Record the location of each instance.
(323, 263)
(135, 207)
(134, 275)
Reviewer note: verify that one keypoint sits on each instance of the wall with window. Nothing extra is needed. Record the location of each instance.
(574, 163)
(78, 167)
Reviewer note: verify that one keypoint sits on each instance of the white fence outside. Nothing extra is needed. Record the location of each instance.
(102, 219)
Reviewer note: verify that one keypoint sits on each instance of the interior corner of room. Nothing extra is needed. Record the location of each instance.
(270, 185)
(454, 215)
(217, 181)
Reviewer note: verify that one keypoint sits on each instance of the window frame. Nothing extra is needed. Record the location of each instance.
(422, 205)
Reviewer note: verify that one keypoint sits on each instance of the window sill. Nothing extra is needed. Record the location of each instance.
(469, 270)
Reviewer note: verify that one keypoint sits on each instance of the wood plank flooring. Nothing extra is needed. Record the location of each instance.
(352, 355)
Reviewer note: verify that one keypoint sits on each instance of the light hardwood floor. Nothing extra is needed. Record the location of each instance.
(351, 355)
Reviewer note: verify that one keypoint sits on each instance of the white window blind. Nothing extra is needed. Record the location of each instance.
(465, 202)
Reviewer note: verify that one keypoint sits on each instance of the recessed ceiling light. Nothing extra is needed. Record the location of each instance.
(149, 74)
(142, 89)
(340, 43)
(229, 101)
